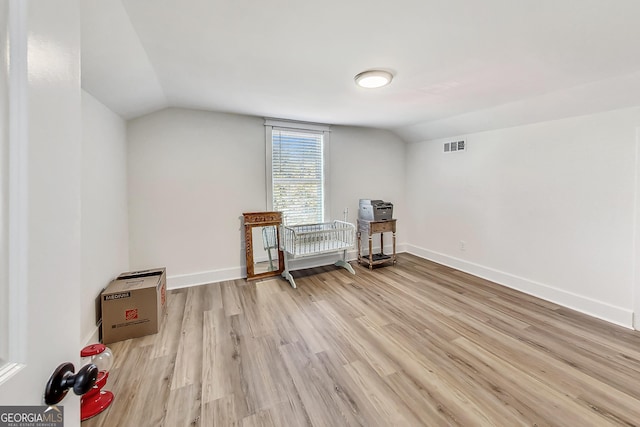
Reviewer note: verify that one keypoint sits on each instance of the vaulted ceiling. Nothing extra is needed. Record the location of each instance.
(459, 65)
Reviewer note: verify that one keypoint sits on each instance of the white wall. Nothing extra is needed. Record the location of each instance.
(546, 208)
(367, 164)
(193, 173)
(105, 234)
(191, 176)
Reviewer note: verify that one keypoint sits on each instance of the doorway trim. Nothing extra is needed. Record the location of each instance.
(17, 189)
(635, 317)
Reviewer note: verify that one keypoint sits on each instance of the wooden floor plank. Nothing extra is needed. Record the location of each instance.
(416, 344)
(315, 387)
(189, 347)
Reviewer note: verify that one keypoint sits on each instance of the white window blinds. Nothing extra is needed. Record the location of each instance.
(297, 175)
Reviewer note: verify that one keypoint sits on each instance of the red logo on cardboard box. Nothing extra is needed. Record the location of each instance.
(163, 295)
(131, 314)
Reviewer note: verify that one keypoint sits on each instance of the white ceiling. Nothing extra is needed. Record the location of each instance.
(296, 59)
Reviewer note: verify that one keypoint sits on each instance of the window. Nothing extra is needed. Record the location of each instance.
(296, 171)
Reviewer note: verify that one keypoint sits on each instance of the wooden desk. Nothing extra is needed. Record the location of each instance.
(371, 228)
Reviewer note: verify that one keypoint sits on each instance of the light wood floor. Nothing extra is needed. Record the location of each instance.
(418, 344)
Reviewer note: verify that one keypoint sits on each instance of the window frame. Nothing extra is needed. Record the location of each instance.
(278, 124)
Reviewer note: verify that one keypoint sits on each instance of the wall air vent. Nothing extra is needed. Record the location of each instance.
(460, 145)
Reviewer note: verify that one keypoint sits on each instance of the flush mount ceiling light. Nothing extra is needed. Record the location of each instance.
(373, 78)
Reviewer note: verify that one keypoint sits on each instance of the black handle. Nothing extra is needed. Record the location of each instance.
(63, 378)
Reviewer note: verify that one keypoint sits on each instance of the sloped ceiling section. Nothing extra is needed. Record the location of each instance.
(459, 65)
(115, 66)
(602, 95)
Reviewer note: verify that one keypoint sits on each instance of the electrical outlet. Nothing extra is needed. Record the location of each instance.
(463, 245)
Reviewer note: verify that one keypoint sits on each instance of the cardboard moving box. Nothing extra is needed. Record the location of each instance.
(133, 305)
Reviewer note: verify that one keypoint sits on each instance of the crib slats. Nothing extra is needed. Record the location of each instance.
(315, 239)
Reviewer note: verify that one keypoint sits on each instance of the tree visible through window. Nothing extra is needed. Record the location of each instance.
(298, 175)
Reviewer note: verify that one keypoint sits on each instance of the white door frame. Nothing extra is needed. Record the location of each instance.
(17, 188)
(45, 243)
(636, 238)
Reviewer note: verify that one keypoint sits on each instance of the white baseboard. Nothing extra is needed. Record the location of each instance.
(240, 272)
(93, 336)
(618, 315)
(204, 277)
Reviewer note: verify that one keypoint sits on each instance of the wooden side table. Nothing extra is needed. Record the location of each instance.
(371, 228)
